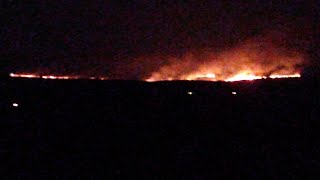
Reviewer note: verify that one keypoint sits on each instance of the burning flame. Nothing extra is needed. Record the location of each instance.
(15, 75)
(254, 59)
(24, 75)
(244, 76)
(285, 76)
(238, 77)
(209, 76)
(260, 57)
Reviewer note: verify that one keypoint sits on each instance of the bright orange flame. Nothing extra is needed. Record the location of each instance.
(285, 76)
(245, 76)
(237, 77)
(207, 76)
(49, 77)
(151, 79)
(24, 75)
(258, 57)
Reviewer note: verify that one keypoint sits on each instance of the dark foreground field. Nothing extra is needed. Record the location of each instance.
(165, 130)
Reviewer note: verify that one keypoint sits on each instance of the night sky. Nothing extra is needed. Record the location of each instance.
(129, 40)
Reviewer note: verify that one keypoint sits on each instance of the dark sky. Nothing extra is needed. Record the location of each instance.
(96, 37)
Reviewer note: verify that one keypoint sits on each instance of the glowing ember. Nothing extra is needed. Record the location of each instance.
(285, 76)
(15, 104)
(150, 80)
(190, 92)
(49, 77)
(208, 76)
(24, 75)
(244, 76)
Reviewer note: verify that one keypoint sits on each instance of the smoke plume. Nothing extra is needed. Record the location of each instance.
(263, 56)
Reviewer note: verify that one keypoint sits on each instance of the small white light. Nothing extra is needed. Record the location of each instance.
(190, 93)
(234, 93)
(15, 104)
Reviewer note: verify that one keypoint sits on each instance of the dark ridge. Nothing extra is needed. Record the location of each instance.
(200, 129)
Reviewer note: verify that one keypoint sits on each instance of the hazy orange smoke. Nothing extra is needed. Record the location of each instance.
(257, 58)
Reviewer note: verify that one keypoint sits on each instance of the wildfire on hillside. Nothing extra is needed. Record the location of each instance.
(266, 56)
(257, 58)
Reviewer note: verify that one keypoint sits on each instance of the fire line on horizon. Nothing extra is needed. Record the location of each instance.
(194, 77)
(25, 75)
(238, 77)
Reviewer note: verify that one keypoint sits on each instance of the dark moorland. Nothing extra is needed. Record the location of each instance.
(162, 130)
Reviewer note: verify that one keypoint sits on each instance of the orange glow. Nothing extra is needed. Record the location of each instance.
(24, 75)
(260, 57)
(102, 78)
(245, 76)
(154, 79)
(150, 80)
(237, 77)
(285, 76)
(207, 76)
(14, 75)
(221, 71)
(49, 77)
